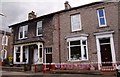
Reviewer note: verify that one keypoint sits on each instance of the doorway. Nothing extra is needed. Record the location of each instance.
(105, 51)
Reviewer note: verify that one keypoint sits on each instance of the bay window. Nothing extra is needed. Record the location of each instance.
(21, 54)
(77, 49)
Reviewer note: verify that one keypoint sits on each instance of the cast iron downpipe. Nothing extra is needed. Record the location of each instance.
(59, 40)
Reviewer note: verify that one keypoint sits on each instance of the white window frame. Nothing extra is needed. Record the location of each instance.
(82, 48)
(46, 51)
(72, 17)
(21, 55)
(24, 28)
(101, 17)
(5, 40)
(39, 24)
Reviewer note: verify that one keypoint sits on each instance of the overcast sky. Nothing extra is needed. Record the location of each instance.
(17, 10)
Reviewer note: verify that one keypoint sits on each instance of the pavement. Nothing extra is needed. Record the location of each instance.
(40, 74)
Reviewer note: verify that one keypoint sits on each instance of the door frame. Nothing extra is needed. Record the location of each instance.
(105, 35)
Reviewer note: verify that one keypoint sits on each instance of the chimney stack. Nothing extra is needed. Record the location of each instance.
(67, 6)
(31, 15)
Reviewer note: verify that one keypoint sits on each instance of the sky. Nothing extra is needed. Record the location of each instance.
(16, 11)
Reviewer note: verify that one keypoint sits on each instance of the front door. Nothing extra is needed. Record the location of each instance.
(105, 51)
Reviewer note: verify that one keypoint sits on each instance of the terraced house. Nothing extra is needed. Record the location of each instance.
(87, 34)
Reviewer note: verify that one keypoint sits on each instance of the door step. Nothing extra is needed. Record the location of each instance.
(108, 70)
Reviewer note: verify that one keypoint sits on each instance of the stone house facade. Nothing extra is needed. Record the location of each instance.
(83, 34)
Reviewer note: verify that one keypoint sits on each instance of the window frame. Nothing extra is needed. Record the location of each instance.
(79, 21)
(41, 26)
(100, 25)
(23, 29)
(20, 53)
(81, 39)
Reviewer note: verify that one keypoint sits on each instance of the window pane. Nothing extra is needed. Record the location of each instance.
(75, 42)
(25, 34)
(25, 30)
(24, 54)
(17, 49)
(24, 58)
(40, 52)
(39, 28)
(85, 53)
(75, 22)
(105, 40)
(17, 57)
(102, 21)
(17, 54)
(75, 53)
(84, 42)
(21, 29)
(21, 32)
(101, 14)
(39, 24)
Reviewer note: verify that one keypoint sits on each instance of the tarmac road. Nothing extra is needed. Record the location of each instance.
(28, 74)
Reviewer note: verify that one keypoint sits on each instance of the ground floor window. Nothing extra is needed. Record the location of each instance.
(48, 55)
(21, 54)
(28, 53)
(77, 49)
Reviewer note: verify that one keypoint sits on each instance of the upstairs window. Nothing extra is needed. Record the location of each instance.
(23, 30)
(39, 28)
(101, 17)
(75, 22)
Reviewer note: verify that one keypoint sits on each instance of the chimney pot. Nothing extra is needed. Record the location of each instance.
(31, 15)
(67, 5)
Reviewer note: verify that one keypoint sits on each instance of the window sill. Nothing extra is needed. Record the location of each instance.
(77, 31)
(99, 27)
(23, 38)
(40, 35)
(77, 60)
(20, 62)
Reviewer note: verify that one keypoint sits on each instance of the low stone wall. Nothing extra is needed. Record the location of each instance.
(37, 67)
(19, 69)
